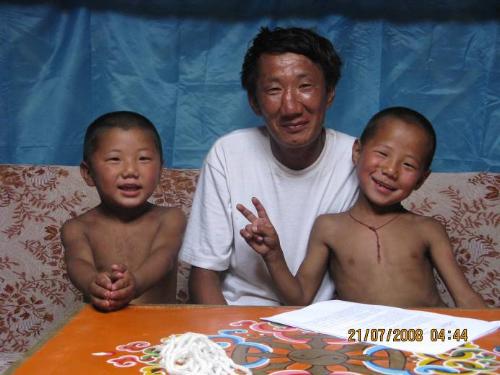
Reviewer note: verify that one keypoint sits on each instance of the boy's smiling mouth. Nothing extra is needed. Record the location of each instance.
(384, 185)
(129, 189)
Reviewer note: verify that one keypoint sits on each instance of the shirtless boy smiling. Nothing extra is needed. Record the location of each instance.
(377, 252)
(125, 249)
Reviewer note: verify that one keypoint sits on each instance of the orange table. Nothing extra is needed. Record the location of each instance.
(124, 342)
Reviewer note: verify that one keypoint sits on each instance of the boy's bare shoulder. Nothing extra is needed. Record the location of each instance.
(329, 218)
(421, 220)
(80, 222)
(78, 229)
(167, 211)
(169, 214)
(329, 221)
(427, 226)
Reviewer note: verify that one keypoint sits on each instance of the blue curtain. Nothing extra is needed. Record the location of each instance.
(63, 63)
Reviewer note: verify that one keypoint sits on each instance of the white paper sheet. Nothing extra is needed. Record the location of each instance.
(417, 331)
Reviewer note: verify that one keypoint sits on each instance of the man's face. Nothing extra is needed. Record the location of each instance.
(292, 98)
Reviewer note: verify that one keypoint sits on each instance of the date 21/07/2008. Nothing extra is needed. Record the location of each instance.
(406, 334)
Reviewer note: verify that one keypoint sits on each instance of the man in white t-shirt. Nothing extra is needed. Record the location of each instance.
(296, 167)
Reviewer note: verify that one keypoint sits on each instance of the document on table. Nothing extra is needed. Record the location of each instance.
(402, 329)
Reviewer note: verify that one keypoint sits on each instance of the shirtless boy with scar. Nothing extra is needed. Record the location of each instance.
(377, 252)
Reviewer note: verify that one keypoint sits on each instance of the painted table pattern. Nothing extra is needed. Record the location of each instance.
(127, 342)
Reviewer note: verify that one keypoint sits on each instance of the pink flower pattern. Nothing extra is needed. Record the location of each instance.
(467, 205)
(36, 294)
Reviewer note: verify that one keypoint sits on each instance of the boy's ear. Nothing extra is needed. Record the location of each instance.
(356, 151)
(422, 179)
(86, 173)
(160, 172)
(254, 104)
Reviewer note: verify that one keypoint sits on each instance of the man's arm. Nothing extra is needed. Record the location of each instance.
(208, 243)
(447, 267)
(204, 287)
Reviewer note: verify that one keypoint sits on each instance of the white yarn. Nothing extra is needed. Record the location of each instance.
(195, 354)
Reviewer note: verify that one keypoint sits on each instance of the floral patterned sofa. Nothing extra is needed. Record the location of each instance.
(36, 295)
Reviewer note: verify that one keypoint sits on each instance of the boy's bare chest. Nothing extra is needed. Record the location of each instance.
(128, 244)
(394, 244)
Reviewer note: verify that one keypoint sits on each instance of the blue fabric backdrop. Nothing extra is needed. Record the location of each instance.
(63, 63)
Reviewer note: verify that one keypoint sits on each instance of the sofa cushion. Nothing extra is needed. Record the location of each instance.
(36, 294)
(468, 205)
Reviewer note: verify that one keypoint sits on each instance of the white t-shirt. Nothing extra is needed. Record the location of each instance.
(240, 166)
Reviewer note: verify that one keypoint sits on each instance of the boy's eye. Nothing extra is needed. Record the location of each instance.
(145, 158)
(410, 166)
(114, 158)
(381, 153)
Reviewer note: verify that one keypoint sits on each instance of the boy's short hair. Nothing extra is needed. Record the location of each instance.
(407, 115)
(120, 119)
(296, 40)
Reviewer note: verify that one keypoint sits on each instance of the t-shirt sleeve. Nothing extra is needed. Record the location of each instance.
(209, 233)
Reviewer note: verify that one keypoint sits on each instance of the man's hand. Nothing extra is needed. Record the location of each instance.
(260, 233)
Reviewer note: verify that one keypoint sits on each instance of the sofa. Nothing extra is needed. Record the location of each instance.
(36, 295)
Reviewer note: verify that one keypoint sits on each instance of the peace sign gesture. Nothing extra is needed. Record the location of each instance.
(260, 233)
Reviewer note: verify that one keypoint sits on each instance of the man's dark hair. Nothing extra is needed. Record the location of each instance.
(296, 40)
(120, 119)
(407, 115)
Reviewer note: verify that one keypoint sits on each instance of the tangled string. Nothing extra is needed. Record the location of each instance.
(194, 353)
